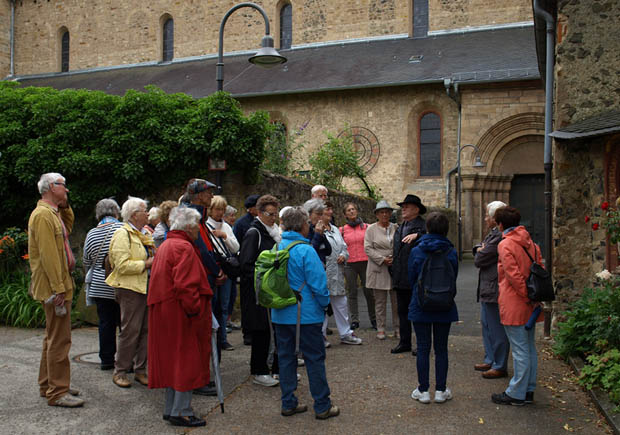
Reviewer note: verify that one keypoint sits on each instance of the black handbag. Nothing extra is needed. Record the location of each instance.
(539, 284)
(228, 262)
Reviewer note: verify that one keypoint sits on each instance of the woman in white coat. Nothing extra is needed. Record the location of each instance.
(335, 278)
(378, 243)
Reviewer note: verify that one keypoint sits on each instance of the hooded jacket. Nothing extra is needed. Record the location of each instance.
(429, 243)
(513, 268)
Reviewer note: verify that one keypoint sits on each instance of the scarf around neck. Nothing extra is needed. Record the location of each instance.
(274, 231)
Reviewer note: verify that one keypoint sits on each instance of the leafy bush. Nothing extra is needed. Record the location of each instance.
(108, 145)
(283, 151)
(603, 371)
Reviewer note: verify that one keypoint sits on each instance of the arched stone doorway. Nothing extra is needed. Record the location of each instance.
(513, 151)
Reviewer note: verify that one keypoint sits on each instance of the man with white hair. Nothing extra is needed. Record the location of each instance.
(319, 191)
(51, 263)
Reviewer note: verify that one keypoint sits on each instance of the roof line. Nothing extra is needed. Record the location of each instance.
(518, 25)
(559, 134)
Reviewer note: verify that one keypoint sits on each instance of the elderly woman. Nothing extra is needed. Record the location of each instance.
(378, 245)
(335, 278)
(304, 265)
(496, 345)
(179, 319)
(353, 232)
(226, 244)
(159, 235)
(153, 219)
(262, 235)
(314, 207)
(230, 215)
(131, 256)
(96, 247)
(515, 308)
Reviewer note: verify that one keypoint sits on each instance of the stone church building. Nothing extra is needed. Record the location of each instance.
(413, 79)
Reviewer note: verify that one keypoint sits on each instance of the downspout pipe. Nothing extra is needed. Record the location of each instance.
(548, 162)
(456, 96)
(12, 39)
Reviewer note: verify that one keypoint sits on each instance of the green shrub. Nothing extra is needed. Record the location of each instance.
(603, 371)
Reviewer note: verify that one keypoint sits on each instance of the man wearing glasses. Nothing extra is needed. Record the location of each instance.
(51, 262)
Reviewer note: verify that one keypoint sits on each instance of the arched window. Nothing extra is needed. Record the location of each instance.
(168, 39)
(430, 145)
(64, 51)
(420, 18)
(286, 26)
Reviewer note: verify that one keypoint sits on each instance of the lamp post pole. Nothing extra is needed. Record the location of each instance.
(477, 164)
(266, 57)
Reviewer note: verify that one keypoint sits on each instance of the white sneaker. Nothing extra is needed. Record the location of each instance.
(327, 344)
(265, 380)
(424, 397)
(276, 376)
(350, 339)
(442, 396)
(300, 362)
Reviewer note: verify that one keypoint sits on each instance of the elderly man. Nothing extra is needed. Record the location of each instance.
(51, 262)
(319, 191)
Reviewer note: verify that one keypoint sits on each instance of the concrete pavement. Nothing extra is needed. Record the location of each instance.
(371, 386)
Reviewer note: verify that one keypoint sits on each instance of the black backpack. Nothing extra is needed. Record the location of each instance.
(437, 282)
(539, 284)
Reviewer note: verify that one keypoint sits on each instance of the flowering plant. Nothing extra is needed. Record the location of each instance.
(13, 250)
(611, 222)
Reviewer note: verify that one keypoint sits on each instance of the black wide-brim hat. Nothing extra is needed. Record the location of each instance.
(415, 200)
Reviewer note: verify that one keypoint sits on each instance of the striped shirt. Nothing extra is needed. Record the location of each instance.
(94, 238)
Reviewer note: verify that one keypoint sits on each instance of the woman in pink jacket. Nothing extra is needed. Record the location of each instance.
(515, 308)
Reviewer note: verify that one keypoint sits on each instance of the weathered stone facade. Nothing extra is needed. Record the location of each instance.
(112, 32)
(5, 47)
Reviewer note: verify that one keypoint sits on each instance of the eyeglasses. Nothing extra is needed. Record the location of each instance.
(60, 184)
(266, 213)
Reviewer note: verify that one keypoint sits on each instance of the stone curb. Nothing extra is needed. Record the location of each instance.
(599, 397)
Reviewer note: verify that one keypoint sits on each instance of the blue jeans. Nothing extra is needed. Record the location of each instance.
(496, 345)
(524, 361)
(223, 300)
(313, 348)
(440, 332)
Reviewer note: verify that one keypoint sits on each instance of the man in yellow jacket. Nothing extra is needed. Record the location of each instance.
(51, 262)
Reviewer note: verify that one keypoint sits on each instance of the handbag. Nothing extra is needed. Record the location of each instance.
(228, 262)
(539, 284)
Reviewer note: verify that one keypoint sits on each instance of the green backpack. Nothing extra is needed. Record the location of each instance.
(271, 280)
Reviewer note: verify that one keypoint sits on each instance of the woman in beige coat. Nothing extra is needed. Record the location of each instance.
(378, 246)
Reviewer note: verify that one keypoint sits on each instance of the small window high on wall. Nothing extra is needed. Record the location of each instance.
(420, 18)
(168, 39)
(64, 51)
(286, 26)
(430, 145)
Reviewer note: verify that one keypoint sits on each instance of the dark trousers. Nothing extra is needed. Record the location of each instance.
(260, 354)
(439, 340)
(403, 298)
(109, 320)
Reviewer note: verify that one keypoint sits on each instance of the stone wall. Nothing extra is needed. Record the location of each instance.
(113, 32)
(5, 29)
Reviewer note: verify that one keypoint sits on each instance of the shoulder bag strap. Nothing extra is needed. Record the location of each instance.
(101, 245)
(218, 241)
(528, 254)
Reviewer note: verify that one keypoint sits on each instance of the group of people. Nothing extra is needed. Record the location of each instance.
(167, 277)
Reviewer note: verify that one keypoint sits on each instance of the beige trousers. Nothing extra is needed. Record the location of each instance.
(131, 351)
(55, 367)
(381, 297)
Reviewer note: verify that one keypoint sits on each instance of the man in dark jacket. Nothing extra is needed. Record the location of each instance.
(407, 235)
(243, 224)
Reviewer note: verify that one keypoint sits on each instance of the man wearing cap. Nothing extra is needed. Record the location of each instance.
(199, 195)
(406, 236)
(243, 223)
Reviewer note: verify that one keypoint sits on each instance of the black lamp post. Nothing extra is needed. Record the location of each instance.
(477, 164)
(266, 57)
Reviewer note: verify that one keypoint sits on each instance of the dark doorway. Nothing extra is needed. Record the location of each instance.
(527, 194)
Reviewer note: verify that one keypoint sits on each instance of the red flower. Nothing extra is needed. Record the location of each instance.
(605, 205)
(595, 226)
(587, 219)
(25, 257)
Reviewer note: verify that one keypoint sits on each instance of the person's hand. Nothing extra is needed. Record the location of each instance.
(319, 227)
(340, 259)
(482, 246)
(148, 262)
(219, 233)
(410, 238)
(221, 278)
(388, 260)
(60, 299)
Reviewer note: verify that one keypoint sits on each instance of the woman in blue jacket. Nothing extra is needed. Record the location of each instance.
(435, 325)
(305, 270)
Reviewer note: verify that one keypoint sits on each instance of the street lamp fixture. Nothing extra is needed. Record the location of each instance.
(266, 57)
(478, 164)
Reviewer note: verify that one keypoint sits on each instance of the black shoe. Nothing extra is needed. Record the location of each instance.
(206, 391)
(297, 410)
(529, 397)
(328, 331)
(190, 421)
(227, 346)
(355, 325)
(505, 399)
(107, 366)
(166, 417)
(373, 323)
(401, 348)
(247, 340)
(414, 352)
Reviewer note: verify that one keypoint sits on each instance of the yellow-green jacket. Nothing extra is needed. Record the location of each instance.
(127, 256)
(46, 251)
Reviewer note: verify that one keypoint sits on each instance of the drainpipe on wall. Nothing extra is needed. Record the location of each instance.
(549, 77)
(457, 99)
(12, 39)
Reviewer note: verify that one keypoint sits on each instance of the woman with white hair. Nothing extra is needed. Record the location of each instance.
(153, 219)
(96, 247)
(179, 303)
(496, 345)
(131, 256)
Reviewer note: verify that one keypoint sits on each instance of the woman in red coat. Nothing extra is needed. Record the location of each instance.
(179, 301)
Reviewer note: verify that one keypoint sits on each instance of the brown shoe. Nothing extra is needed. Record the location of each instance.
(494, 374)
(121, 380)
(141, 378)
(482, 367)
(67, 401)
